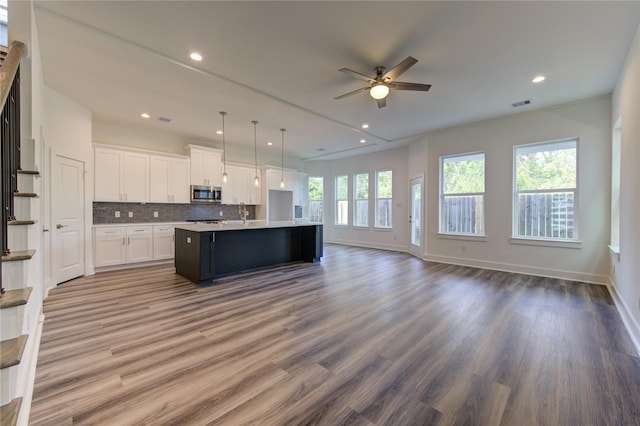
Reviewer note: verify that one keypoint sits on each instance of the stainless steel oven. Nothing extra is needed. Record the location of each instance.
(206, 194)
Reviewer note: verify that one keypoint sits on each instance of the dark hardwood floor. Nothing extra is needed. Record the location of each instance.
(365, 337)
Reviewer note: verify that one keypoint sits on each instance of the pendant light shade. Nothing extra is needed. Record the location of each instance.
(256, 180)
(224, 151)
(282, 160)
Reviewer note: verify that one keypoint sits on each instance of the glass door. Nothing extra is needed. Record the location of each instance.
(415, 219)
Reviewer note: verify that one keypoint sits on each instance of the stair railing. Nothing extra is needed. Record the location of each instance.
(9, 137)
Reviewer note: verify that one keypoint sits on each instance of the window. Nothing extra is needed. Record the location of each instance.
(545, 191)
(384, 193)
(3, 23)
(462, 194)
(316, 199)
(342, 200)
(361, 199)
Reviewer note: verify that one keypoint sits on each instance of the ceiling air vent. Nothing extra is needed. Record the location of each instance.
(521, 103)
(164, 119)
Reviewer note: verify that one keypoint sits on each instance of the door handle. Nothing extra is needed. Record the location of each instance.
(58, 226)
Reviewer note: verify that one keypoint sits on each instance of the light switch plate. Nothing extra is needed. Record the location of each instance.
(117, 213)
(188, 240)
(155, 214)
(130, 214)
(221, 213)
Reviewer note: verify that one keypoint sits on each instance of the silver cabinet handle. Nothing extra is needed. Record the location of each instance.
(58, 226)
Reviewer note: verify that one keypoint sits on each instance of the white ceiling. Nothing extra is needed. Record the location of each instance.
(277, 62)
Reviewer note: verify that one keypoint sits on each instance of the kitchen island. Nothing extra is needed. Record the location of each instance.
(204, 252)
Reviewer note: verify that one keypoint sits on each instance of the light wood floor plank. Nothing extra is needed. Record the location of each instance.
(366, 337)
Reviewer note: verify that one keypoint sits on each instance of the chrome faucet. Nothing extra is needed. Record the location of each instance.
(242, 210)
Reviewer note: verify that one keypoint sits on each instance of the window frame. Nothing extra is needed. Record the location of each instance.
(378, 198)
(315, 201)
(574, 241)
(338, 200)
(442, 196)
(356, 224)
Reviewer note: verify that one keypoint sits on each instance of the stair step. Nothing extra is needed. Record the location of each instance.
(9, 412)
(13, 298)
(22, 222)
(11, 351)
(18, 255)
(25, 194)
(29, 172)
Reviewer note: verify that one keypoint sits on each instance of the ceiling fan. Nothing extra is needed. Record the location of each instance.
(382, 83)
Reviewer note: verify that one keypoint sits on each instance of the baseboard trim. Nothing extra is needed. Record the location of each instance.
(367, 245)
(522, 269)
(28, 375)
(627, 319)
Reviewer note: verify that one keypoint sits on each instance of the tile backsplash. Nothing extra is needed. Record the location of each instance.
(144, 212)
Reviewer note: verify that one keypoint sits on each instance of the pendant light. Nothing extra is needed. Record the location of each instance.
(224, 151)
(282, 160)
(256, 180)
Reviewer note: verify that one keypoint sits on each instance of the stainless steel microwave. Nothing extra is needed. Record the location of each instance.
(206, 194)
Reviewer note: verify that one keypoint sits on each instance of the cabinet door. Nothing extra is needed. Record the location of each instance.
(136, 177)
(108, 175)
(160, 180)
(163, 242)
(139, 244)
(212, 168)
(110, 246)
(243, 178)
(197, 167)
(179, 182)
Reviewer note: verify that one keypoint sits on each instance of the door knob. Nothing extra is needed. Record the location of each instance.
(58, 226)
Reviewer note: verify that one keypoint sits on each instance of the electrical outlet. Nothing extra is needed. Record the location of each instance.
(117, 213)
(155, 214)
(221, 213)
(130, 214)
(188, 240)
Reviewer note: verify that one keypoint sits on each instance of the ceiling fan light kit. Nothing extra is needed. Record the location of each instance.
(379, 91)
(380, 85)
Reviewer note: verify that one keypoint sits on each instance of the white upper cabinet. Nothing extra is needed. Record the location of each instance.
(206, 166)
(121, 175)
(170, 179)
(240, 186)
(274, 176)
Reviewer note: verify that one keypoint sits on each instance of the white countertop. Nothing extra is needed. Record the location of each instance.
(111, 225)
(235, 226)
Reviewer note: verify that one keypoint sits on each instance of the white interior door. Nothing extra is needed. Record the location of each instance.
(416, 221)
(67, 214)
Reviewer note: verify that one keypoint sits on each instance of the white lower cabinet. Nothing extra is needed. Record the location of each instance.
(139, 243)
(120, 245)
(110, 246)
(163, 242)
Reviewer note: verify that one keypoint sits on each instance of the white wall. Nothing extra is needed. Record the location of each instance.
(626, 269)
(395, 160)
(587, 120)
(68, 133)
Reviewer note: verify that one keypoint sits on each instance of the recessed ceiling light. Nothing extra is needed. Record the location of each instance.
(269, 143)
(218, 132)
(196, 56)
(538, 79)
(362, 140)
(145, 115)
(365, 126)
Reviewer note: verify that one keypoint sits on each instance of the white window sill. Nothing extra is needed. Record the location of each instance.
(572, 244)
(382, 229)
(464, 237)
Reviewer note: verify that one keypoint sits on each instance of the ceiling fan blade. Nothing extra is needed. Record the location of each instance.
(382, 102)
(395, 72)
(352, 93)
(398, 85)
(357, 75)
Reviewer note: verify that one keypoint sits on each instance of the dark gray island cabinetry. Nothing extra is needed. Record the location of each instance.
(207, 251)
